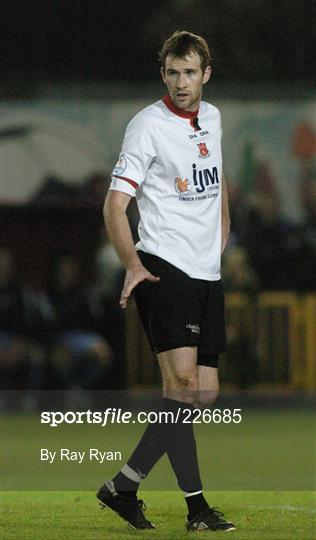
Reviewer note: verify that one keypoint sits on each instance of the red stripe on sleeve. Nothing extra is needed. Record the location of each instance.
(131, 182)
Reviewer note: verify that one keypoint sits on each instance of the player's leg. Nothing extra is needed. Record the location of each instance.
(165, 310)
(179, 372)
(212, 341)
(181, 379)
(169, 311)
(180, 385)
(208, 386)
(152, 444)
(124, 486)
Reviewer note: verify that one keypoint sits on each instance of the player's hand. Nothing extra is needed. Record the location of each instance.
(133, 277)
(225, 234)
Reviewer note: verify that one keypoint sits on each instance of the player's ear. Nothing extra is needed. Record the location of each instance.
(207, 74)
(162, 73)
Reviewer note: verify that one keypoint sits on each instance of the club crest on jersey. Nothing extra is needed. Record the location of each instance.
(204, 153)
(121, 165)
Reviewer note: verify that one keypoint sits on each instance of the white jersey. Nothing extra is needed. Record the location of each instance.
(171, 161)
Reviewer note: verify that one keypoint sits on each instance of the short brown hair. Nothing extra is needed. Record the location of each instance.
(180, 44)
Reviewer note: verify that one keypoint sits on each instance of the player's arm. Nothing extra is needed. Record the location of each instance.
(225, 214)
(120, 234)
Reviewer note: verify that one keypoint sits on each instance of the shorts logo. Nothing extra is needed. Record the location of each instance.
(195, 328)
(204, 153)
(121, 165)
(183, 185)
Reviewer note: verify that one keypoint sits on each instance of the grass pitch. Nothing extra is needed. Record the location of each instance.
(69, 515)
(261, 472)
(268, 451)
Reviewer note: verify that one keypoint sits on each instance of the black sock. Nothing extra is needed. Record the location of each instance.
(180, 445)
(146, 454)
(177, 438)
(149, 449)
(196, 503)
(124, 485)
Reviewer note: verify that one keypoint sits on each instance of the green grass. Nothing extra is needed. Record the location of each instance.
(69, 515)
(267, 451)
(261, 473)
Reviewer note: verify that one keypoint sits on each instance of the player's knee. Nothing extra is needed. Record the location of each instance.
(205, 398)
(186, 380)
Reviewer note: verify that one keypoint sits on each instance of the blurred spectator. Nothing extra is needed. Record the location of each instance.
(22, 357)
(306, 262)
(95, 187)
(237, 272)
(109, 269)
(109, 283)
(54, 189)
(271, 243)
(304, 151)
(239, 277)
(282, 253)
(239, 208)
(59, 190)
(265, 183)
(81, 357)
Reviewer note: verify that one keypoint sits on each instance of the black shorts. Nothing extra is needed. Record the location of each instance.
(179, 311)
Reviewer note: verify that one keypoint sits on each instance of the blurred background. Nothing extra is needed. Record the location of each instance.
(73, 73)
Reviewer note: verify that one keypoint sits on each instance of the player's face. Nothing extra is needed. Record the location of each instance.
(184, 79)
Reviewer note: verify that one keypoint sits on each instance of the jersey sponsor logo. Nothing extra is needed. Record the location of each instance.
(203, 185)
(204, 152)
(183, 185)
(121, 165)
(203, 180)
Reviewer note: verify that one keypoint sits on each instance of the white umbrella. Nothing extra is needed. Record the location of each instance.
(34, 146)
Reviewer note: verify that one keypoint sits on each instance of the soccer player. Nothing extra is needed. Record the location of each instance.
(171, 161)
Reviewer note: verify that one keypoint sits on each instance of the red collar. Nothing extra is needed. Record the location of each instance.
(176, 110)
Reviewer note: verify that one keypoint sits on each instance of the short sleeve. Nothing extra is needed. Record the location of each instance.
(136, 156)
